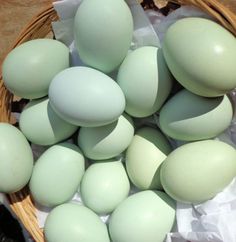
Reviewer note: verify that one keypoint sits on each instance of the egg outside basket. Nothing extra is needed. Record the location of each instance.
(21, 202)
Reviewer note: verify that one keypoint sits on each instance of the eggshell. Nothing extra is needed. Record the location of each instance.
(16, 159)
(107, 141)
(72, 222)
(201, 55)
(29, 68)
(196, 172)
(104, 186)
(145, 80)
(57, 174)
(144, 216)
(144, 157)
(189, 117)
(85, 97)
(103, 33)
(42, 126)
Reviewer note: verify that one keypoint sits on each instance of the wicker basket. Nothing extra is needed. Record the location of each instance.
(21, 203)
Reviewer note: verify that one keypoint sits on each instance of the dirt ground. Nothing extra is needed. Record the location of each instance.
(14, 15)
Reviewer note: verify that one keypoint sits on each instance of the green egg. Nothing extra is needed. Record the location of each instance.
(57, 174)
(143, 217)
(72, 223)
(103, 33)
(144, 156)
(196, 172)
(201, 55)
(145, 80)
(106, 141)
(189, 117)
(42, 126)
(16, 159)
(104, 186)
(86, 97)
(29, 68)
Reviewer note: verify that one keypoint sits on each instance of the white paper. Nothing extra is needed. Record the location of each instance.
(144, 33)
(3, 200)
(180, 13)
(212, 221)
(66, 9)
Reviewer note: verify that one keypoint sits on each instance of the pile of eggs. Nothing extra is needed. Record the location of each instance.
(112, 151)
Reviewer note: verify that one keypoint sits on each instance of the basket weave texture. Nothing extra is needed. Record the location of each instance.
(21, 202)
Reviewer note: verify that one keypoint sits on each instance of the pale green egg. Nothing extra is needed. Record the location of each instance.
(143, 217)
(29, 68)
(145, 80)
(201, 55)
(72, 223)
(196, 172)
(103, 33)
(107, 141)
(42, 126)
(57, 174)
(104, 186)
(16, 159)
(144, 156)
(189, 117)
(86, 97)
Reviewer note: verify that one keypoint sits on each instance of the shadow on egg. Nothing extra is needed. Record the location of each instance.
(104, 132)
(163, 86)
(195, 111)
(148, 136)
(156, 180)
(168, 200)
(52, 118)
